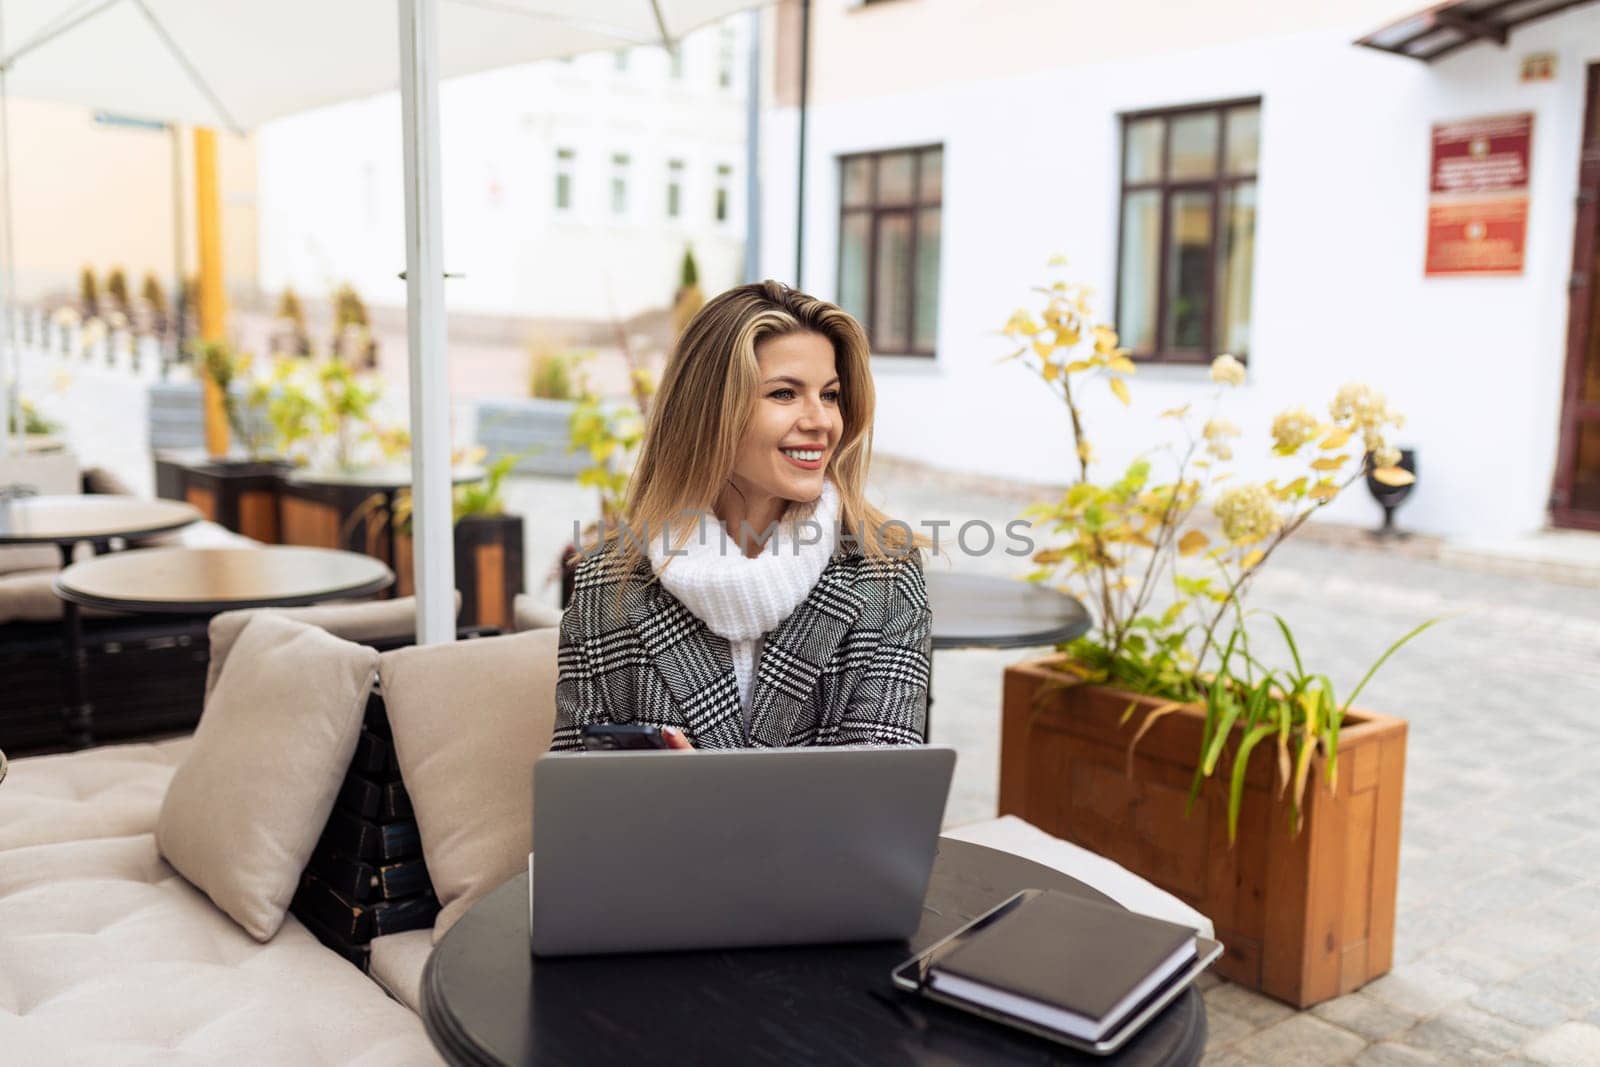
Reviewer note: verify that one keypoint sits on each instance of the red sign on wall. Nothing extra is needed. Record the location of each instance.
(1478, 212)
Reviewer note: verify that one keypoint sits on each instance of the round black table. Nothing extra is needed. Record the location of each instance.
(487, 1000)
(201, 581)
(386, 481)
(66, 521)
(984, 611)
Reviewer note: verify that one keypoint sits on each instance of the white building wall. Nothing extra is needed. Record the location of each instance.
(331, 189)
(1031, 169)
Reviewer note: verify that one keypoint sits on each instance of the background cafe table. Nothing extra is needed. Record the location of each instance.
(202, 581)
(487, 1000)
(385, 481)
(985, 611)
(66, 521)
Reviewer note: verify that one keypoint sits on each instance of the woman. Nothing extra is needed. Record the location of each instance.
(751, 597)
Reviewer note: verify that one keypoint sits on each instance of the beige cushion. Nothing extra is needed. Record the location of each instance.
(361, 622)
(397, 962)
(111, 958)
(30, 596)
(51, 473)
(246, 807)
(1021, 838)
(530, 614)
(99, 792)
(469, 719)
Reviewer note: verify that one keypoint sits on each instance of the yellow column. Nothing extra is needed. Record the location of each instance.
(213, 312)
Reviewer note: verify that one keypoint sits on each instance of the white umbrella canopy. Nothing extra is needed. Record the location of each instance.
(238, 63)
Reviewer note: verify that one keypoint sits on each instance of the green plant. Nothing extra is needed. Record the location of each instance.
(347, 405)
(1169, 599)
(688, 300)
(154, 294)
(610, 433)
(550, 373)
(289, 309)
(117, 289)
(243, 394)
(88, 291)
(33, 420)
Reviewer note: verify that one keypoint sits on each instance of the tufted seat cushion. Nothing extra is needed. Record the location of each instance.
(397, 963)
(1021, 838)
(107, 956)
(103, 792)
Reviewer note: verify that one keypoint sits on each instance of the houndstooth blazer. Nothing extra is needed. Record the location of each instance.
(849, 666)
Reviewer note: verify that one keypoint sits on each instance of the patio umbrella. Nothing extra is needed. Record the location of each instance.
(238, 63)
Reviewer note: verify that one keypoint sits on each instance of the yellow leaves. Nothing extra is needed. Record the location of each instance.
(1252, 558)
(1323, 491)
(1050, 371)
(1176, 413)
(1079, 365)
(1105, 340)
(1068, 335)
(1021, 323)
(1395, 476)
(1337, 439)
(1293, 489)
(1329, 463)
(1085, 451)
(1123, 365)
(1192, 542)
(1120, 388)
(1042, 348)
(1057, 260)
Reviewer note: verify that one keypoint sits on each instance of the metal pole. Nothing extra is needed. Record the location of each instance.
(180, 266)
(752, 155)
(800, 185)
(433, 556)
(10, 380)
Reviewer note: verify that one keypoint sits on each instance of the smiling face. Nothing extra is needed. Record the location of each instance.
(795, 428)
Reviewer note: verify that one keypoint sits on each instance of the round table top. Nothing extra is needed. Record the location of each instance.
(985, 611)
(207, 580)
(91, 517)
(387, 478)
(487, 1000)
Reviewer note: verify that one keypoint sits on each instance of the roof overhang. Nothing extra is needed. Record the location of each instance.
(1438, 30)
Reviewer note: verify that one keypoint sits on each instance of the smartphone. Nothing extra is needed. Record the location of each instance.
(610, 737)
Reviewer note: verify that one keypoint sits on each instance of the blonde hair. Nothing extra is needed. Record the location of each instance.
(704, 405)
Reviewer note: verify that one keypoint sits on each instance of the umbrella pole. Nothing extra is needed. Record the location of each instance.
(10, 381)
(431, 519)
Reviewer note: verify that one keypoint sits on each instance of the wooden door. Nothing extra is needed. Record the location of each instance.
(1575, 500)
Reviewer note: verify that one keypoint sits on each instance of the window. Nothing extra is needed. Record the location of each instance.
(1187, 231)
(719, 209)
(619, 183)
(675, 61)
(889, 246)
(674, 188)
(565, 159)
(619, 60)
(727, 43)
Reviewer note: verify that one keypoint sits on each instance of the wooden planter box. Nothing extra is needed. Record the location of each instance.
(242, 495)
(489, 569)
(1304, 917)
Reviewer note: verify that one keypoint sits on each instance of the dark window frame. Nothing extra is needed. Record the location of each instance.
(876, 212)
(1217, 185)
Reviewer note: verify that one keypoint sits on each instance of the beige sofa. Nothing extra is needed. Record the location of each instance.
(109, 956)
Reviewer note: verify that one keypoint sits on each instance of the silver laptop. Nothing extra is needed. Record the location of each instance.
(643, 851)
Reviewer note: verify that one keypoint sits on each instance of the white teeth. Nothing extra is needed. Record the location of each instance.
(804, 456)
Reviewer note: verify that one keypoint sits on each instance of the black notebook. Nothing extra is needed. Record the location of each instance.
(1069, 964)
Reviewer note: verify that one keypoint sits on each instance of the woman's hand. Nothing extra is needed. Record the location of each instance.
(675, 738)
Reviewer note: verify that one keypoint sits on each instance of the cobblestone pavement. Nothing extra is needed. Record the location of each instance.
(1497, 947)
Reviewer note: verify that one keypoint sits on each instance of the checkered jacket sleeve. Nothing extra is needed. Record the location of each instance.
(889, 705)
(579, 699)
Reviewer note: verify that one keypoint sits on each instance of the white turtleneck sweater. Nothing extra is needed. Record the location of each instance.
(744, 599)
